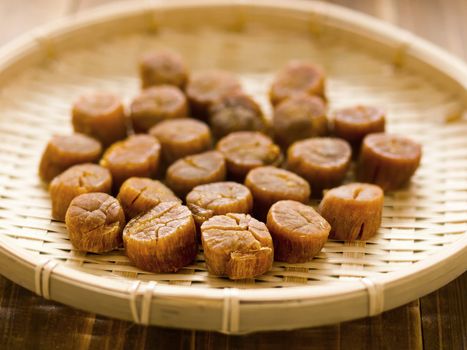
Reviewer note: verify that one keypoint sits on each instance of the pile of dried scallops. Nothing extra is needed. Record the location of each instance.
(194, 159)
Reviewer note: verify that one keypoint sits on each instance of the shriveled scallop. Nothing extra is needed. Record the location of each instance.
(323, 161)
(138, 155)
(237, 246)
(270, 184)
(299, 117)
(140, 194)
(182, 137)
(354, 211)
(388, 161)
(64, 151)
(76, 180)
(297, 77)
(204, 88)
(95, 222)
(246, 150)
(100, 115)
(191, 171)
(157, 104)
(354, 123)
(162, 239)
(218, 198)
(298, 231)
(162, 67)
(236, 112)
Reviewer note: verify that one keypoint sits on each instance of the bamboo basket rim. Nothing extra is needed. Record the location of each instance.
(453, 255)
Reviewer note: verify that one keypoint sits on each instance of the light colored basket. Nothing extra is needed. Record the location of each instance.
(421, 245)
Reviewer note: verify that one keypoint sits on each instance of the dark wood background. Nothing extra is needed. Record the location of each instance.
(436, 321)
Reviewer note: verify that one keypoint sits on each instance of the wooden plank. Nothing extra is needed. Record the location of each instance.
(164, 338)
(30, 322)
(402, 328)
(444, 316)
(116, 334)
(396, 329)
(365, 333)
(319, 338)
(312, 338)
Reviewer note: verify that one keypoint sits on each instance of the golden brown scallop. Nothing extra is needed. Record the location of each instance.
(237, 246)
(388, 161)
(64, 151)
(246, 150)
(299, 117)
(76, 180)
(298, 231)
(354, 123)
(297, 77)
(163, 67)
(218, 198)
(100, 115)
(162, 239)
(323, 161)
(270, 184)
(236, 112)
(182, 137)
(139, 194)
(206, 87)
(138, 155)
(195, 170)
(157, 104)
(354, 211)
(95, 222)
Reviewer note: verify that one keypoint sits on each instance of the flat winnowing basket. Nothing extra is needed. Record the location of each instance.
(421, 245)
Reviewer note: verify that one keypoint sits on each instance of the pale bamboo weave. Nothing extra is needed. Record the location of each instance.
(417, 221)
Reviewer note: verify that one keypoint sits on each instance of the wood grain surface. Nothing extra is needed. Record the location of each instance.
(436, 321)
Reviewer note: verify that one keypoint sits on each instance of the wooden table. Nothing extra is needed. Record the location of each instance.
(438, 320)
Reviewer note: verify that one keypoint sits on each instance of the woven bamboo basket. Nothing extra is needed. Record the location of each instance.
(421, 245)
